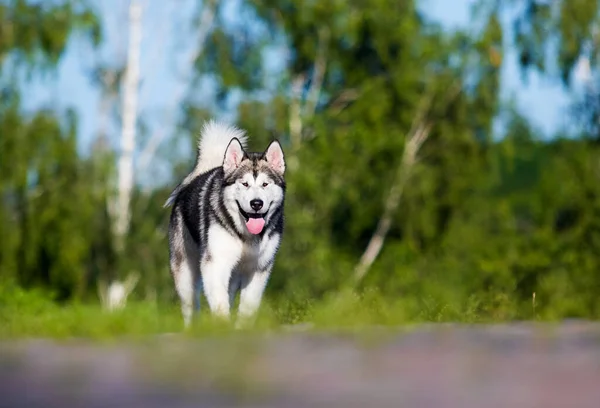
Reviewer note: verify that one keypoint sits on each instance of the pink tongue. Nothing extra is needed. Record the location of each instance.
(255, 225)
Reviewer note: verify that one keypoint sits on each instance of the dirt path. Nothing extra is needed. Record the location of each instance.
(519, 365)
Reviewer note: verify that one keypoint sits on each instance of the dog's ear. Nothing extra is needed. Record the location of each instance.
(274, 156)
(233, 155)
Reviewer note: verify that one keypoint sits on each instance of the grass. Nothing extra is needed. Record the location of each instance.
(32, 314)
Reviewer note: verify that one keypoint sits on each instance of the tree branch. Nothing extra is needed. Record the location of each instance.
(415, 140)
(417, 135)
(345, 98)
(206, 22)
(151, 146)
(295, 123)
(320, 66)
(301, 110)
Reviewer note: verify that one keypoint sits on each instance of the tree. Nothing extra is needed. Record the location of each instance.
(40, 166)
(352, 80)
(559, 39)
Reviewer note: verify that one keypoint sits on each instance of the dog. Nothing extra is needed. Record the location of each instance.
(226, 223)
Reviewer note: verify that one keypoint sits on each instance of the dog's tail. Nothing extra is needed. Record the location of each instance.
(214, 139)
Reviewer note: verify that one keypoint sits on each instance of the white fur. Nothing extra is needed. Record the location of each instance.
(214, 139)
(187, 272)
(275, 157)
(233, 156)
(267, 250)
(271, 195)
(222, 254)
(229, 265)
(185, 289)
(213, 142)
(255, 277)
(251, 296)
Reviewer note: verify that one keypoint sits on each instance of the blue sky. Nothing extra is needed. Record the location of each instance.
(542, 100)
(166, 50)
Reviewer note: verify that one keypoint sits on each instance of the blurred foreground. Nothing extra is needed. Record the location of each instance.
(515, 365)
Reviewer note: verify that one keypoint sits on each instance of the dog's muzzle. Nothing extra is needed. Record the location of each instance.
(255, 222)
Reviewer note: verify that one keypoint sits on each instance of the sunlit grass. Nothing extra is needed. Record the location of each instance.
(32, 314)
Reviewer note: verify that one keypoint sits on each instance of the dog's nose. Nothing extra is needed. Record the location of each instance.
(256, 204)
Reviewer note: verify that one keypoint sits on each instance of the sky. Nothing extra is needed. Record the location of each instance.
(542, 100)
(165, 69)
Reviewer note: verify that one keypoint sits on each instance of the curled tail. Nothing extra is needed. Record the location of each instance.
(214, 139)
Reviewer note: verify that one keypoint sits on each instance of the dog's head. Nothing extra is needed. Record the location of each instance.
(254, 184)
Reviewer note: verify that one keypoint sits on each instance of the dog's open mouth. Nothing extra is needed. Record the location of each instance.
(254, 222)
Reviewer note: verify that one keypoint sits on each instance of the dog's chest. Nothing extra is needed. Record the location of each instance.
(257, 255)
(250, 256)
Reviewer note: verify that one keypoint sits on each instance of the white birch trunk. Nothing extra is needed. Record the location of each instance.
(417, 135)
(320, 66)
(295, 123)
(304, 110)
(129, 121)
(415, 140)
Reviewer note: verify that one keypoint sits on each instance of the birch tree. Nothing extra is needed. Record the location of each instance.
(129, 122)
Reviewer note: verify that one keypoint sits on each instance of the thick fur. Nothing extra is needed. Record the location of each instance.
(214, 139)
(211, 247)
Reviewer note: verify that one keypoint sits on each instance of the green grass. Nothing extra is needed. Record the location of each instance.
(33, 314)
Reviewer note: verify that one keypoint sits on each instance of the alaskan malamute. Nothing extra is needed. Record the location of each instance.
(226, 223)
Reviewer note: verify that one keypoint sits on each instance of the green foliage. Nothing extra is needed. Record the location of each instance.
(46, 203)
(487, 229)
(38, 31)
(552, 35)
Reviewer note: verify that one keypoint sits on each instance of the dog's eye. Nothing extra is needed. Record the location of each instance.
(245, 184)
(265, 184)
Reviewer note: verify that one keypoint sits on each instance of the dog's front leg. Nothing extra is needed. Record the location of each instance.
(220, 258)
(254, 284)
(251, 295)
(215, 279)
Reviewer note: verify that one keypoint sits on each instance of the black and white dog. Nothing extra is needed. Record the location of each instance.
(226, 223)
